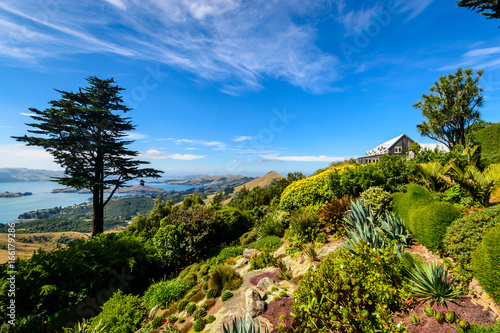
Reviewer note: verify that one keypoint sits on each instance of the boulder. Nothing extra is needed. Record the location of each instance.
(254, 303)
(247, 253)
(265, 283)
(153, 312)
(241, 262)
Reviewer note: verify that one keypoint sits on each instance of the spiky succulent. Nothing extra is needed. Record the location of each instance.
(414, 319)
(428, 311)
(464, 325)
(244, 326)
(439, 317)
(86, 327)
(451, 317)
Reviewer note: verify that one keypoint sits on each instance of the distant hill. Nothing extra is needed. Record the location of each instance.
(213, 183)
(26, 175)
(262, 181)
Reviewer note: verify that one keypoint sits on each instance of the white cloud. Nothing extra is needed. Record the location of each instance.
(321, 158)
(27, 114)
(357, 21)
(155, 154)
(136, 136)
(240, 44)
(20, 156)
(476, 58)
(243, 138)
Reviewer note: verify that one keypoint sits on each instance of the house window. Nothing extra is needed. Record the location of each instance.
(398, 149)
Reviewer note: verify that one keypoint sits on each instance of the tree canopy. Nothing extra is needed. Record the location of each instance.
(451, 107)
(87, 137)
(488, 8)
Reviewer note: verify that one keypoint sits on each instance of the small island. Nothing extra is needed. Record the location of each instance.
(14, 194)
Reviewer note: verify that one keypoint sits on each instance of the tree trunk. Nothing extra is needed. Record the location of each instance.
(97, 213)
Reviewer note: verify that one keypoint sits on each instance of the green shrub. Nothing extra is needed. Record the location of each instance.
(332, 213)
(429, 223)
(226, 294)
(224, 277)
(272, 243)
(210, 319)
(156, 322)
(229, 252)
(204, 270)
(474, 328)
(191, 294)
(322, 238)
(363, 292)
(248, 238)
(191, 279)
(485, 263)
(378, 199)
(211, 294)
(121, 314)
(489, 139)
(199, 325)
(273, 223)
(262, 259)
(201, 312)
(235, 223)
(182, 305)
(464, 235)
(415, 196)
(164, 293)
(305, 226)
(172, 318)
(190, 308)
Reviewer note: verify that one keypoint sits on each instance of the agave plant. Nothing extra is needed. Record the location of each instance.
(430, 283)
(86, 327)
(394, 229)
(244, 326)
(358, 213)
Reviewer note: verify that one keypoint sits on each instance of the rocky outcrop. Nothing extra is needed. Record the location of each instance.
(265, 283)
(254, 303)
(247, 253)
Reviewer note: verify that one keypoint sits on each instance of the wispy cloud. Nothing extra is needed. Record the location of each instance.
(154, 154)
(27, 114)
(136, 136)
(477, 58)
(355, 21)
(243, 138)
(239, 44)
(20, 155)
(321, 158)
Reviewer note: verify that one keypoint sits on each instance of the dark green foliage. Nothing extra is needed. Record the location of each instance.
(182, 305)
(488, 8)
(464, 235)
(305, 226)
(172, 318)
(211, 293)
(121, 314)
(332, 213)
(210, 319)
(474, 328)
(81, 269)
(363, 292)
(84, 133)
(451, 107)
(186, 235)
(486, 263)
(229, 252)
(190, 294)
(165, 292)
(224, 277)
(190, 308)
(226, 294)
(201, 312)
(272, 243)
(429, 223)
(150, 225)
(197, 297)
(489, 140)
(236, 224)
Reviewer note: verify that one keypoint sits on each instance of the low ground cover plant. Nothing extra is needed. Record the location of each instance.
(271, 243)
(165, 292)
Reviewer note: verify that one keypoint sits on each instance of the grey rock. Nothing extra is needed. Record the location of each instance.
(254, 304)
(241, 262)
(247, 253)
(265, 283)
(153, 312)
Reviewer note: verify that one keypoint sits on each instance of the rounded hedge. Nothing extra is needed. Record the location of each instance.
(416, 196)
(464, 235)
(428, 223)
(486, 263)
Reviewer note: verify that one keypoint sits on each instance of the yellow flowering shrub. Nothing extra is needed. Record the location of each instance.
(312, 191)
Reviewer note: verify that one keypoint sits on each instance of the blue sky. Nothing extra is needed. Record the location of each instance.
(242, 87)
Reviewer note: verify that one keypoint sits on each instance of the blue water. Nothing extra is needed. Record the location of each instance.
(42, 198)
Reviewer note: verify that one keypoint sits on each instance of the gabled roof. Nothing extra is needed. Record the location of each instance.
(387, 145)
